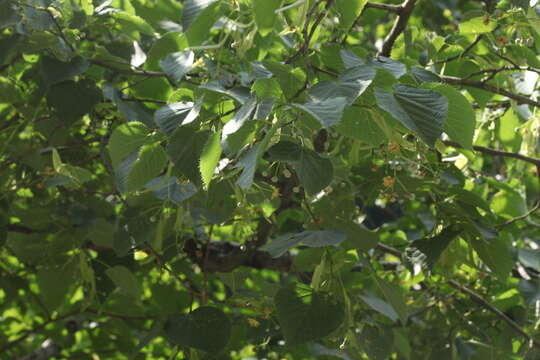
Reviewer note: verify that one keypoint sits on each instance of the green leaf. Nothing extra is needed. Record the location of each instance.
(328, 112)
(198, 18)
(267, 88)
(171, 116)
(210, 158)
(71, 100)
(394, 298)
(291, 80)
(302, 322)
(244, 114)
(508, 204)
(285, 151)
(359, 124)
(419, 110)
(461, 119)
(348, 11)
(314, 171)
(478, 25)
(185, 149)
(149, 164)
(320, 238)
(496, 255)
(530, 290)
(125, 281)
(350, 85)
(177, 64)
(265, 17)
(426, 252)
(248, 162)
(358, 237)
(55, 71)
(134, 23)
(207, 328)
(170, 43)
(379, 305)
(125, 139)
(54, 284)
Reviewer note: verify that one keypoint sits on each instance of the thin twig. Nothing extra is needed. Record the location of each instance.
(524, 216)
(463, 53)
(479, 300)
(387, 7)
(490, 88)
(490, 151)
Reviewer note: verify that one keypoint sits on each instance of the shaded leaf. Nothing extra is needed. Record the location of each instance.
(303, 322)
(207, 328)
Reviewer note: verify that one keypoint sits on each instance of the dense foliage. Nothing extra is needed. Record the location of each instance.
(269, 179)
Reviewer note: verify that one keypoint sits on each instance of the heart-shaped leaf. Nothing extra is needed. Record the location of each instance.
(419, 110)
(302, 322)
(350, 85)
(206, 328)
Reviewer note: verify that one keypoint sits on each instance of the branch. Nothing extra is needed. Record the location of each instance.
(387, 7)
(479, 300)
(487, 87)
(399, 26)
(463, 53)
(493, 72)
(490, 151)
(34, 330)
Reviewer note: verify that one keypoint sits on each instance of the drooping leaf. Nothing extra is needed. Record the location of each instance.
(125, 139)
(265, 17)
(177, 65)
(315, 172)
(282, 244)
(249, 164)
(54, 292)
(125, 281)
(209, 158)
(185, 149)
(426, 252)
(378, 304)
(328, 112)
(234, 124)
(171, 116)
(301, 322)
(350, 85)
(421, 111)
(207, 328)
(150, 162)
(394, 298)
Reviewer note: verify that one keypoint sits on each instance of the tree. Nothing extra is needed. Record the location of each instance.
(211, 179)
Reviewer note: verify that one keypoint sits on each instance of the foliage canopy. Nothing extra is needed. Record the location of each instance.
(241, 179)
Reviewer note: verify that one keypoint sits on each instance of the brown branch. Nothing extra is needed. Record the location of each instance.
(479, 300)
(490, 151)
(524, 216)
(34, 330)
(464, 52)
(493, 72)
(490, 88)
(145, 100)
(399, 26)
(387, 7)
